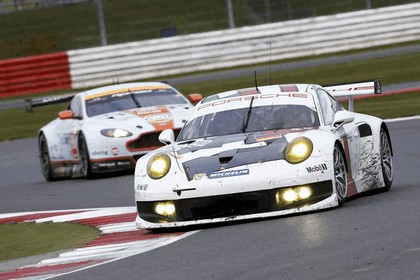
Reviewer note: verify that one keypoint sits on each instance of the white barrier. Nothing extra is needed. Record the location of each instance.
(241, 46)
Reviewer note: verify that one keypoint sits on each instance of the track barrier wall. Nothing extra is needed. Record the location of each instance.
(34, 74)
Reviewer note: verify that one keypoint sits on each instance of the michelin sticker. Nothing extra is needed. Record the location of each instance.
(223, 174)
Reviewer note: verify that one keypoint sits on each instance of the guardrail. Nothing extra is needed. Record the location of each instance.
(241, 46)
(184, 54)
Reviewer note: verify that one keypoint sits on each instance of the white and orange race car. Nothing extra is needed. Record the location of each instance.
(107, 129)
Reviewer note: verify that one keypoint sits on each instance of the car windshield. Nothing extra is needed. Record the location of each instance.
(261, 118)
(131, 100)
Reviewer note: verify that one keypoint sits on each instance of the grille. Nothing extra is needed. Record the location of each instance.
(148, 141)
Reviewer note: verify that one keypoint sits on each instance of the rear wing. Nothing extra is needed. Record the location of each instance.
(354, 89)
(31, 103)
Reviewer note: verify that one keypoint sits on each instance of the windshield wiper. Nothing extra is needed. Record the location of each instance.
(248, 114)
(134, 99)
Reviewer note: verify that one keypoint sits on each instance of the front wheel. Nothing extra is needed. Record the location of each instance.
(85, 167)
(44, 156)
(386, 160)
(340, 175)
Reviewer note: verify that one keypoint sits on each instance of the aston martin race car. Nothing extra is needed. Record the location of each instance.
(262, 152)
(107, 129)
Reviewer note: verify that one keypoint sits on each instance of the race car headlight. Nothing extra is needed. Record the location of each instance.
(165, 209)
(115, 132)
(158, 166)
(298, 150)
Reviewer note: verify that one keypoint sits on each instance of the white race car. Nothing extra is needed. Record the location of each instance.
(263, 152)
(109, 128)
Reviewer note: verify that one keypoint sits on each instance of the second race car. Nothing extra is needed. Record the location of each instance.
(107, 129)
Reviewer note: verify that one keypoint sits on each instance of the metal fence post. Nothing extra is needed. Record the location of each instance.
(231, 19)
(101, 22)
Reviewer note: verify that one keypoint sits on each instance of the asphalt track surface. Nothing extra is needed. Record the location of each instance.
(373, 236)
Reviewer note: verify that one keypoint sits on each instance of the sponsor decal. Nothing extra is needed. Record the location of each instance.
(124, 90)
(289, 88)
(317, 168)
(268, 137)
(248, 91)
(223, 174)
(60, 170)
(142, 187)
(74, 148)
(159, 117)
(199, 176)
(100, 153)
(249, 97)
(115, 151)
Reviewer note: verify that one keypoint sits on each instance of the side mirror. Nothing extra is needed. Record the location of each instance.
(65, 115)
(195, 98)
(167, 137)
(341, 118)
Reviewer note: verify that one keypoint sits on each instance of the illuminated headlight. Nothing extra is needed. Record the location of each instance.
(166, 209)
(158, 166)
(298, 150)
(304, 192)
(290, 195)
(116, 132)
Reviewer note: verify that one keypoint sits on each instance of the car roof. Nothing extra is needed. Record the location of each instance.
(112, 89)
(290, 94)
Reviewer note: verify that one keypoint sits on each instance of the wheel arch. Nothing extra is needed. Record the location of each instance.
(79, 134)
(340, 146)
(385, 128)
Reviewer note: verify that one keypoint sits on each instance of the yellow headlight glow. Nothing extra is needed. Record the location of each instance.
(158, 166)
(166, 209)
(298, 150)
(304, 192)
(290, 195)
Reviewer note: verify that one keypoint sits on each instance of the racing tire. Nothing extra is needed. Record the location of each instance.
(340, 175)
(386, 160)
(85, 167)
(44, 156)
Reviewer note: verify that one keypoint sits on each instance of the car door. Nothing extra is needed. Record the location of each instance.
(349, 133)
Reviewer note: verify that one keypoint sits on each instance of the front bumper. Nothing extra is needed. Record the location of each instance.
(255, 204)
(113, 165)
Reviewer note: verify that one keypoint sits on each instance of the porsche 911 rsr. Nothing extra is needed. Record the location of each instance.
(107, 129)
(262, 152)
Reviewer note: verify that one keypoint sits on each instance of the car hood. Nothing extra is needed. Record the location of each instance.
(209, 156)
(159, 117)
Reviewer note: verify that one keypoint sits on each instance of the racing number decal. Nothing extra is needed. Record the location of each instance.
(74, 150)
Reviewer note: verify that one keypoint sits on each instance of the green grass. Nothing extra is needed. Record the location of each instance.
(16, 123)
(28, 239)
(392, 106)
(390, 70)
